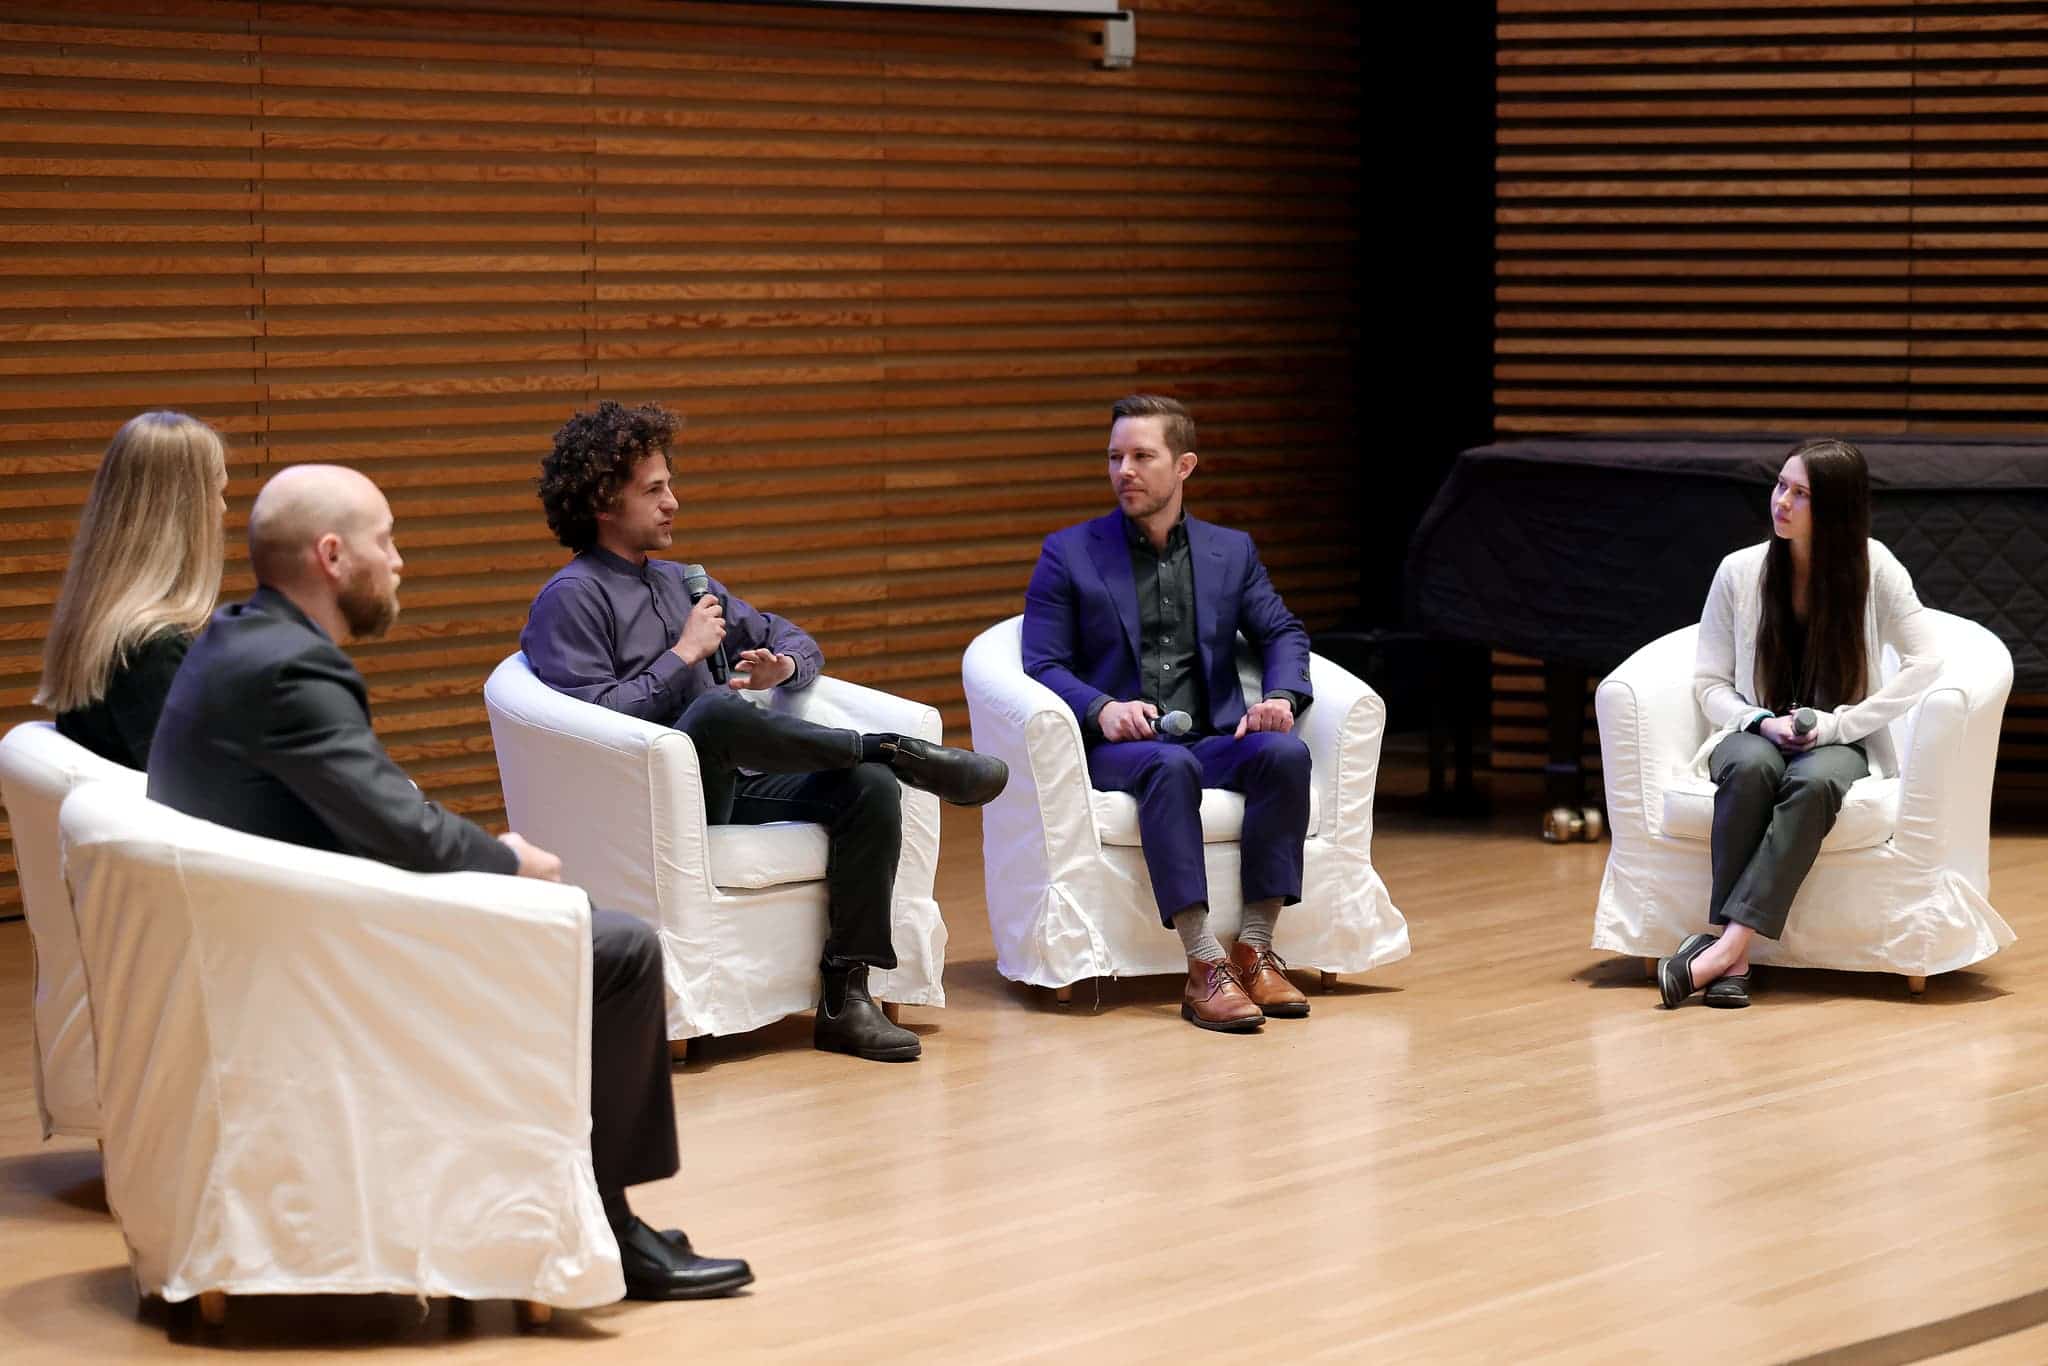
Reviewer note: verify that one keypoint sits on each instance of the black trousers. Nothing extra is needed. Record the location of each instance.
(632, 1108)
(796, 770)
(1770, 815)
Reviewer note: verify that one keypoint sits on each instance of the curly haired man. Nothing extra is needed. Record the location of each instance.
(617, 627)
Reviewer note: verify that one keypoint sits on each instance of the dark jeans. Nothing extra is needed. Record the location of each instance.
(1770, 815)
(1167, 777)
(632, 1108)
(806, 772)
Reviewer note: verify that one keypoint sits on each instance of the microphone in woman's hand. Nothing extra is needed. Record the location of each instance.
(1174, 723)
(1803, 722)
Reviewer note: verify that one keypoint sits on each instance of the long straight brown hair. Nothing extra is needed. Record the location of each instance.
(1835, 660)
(147, 556)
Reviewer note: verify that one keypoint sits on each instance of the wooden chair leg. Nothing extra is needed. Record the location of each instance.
(1916, 986)
(1063, 995)
(1325, 980)
(1650, 968)
(533, 1314)
(213, 1307)
(893, 1011)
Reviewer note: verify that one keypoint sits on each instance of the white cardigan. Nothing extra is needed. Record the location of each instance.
(1724, 670)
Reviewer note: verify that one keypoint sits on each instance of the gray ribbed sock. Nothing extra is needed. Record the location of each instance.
(1259, 918)
(1192, 925)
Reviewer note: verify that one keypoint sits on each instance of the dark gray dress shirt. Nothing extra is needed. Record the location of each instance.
(601, 629)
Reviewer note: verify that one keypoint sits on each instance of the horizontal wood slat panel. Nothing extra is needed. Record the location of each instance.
(1781, 215)
(891, 266)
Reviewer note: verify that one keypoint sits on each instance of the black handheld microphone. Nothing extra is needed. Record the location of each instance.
(1174, 723)
(696, 583)
(1803, 721)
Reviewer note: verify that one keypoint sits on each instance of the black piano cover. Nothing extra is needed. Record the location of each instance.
(1579, 550)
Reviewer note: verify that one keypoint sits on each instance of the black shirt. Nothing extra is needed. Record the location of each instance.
(121, 725)
(1169, 665)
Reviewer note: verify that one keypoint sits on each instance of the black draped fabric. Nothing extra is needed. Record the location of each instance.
(1580, 550)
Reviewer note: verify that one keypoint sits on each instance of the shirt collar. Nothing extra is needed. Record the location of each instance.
(1135, 534)
(618, 564)
(267, 599)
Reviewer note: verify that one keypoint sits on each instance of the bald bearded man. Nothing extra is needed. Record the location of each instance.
(267, 730)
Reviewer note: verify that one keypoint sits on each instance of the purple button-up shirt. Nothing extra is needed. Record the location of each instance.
(601, 630)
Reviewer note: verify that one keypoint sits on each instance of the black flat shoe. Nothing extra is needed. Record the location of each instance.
(1727, 992)
(663, 1266)
(959, 776)
(1674, 974)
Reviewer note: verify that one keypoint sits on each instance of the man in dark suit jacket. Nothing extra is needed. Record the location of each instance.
(267, 730)
(1135, 616)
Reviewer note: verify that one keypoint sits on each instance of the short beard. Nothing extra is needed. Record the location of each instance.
(367, 613)
(1157, 505)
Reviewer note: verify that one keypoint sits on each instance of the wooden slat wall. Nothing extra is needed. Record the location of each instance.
(1778, 215)
(892, 266)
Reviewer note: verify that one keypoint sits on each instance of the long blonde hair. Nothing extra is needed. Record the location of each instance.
(147, 556)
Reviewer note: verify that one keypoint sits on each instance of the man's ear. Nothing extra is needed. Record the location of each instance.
(327, 552)
(1185, 465)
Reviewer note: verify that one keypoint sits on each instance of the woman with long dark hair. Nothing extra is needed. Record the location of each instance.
(144, 572)
(1790, 674)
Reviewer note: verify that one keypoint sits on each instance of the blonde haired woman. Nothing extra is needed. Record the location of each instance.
(143, 576)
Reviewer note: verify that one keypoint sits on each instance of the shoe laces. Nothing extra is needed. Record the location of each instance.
(1219, 973)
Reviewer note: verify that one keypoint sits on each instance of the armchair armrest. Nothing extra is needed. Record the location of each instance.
(830, 701)
(1946, 767)
(1045, 817)
(1343, 730)
(1650, 726)
(619, 800)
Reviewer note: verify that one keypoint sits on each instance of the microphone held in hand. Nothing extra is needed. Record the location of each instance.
(1803, 721)
(697, 583)
(1174, 723)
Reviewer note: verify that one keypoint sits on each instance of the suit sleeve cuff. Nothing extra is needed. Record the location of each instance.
(1091, 720)
(1299, 701)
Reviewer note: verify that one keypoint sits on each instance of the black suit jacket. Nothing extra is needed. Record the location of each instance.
(267, 730)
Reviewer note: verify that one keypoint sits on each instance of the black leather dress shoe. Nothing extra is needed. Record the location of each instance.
(959, 776)
(1674, 974)
(849, 1021)
(1727, 992)
(663, 1266)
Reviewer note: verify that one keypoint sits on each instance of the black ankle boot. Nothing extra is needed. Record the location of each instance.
(959, 776)
(849, 1021)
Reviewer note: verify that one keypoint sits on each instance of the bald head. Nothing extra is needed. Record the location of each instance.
(300, 505)
(321, 535)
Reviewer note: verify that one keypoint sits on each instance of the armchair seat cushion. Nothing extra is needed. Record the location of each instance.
(1869, 817)
(1116, 816)
(750, 857)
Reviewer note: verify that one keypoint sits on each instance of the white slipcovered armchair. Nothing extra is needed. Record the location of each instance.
(322, 1075)
(740, 908)
(1902, 879)
(38, 770)
(1068, 894)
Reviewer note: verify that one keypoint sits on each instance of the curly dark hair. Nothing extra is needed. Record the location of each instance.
(594, 456)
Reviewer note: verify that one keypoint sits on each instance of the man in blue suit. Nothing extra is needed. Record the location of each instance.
(1134, 616)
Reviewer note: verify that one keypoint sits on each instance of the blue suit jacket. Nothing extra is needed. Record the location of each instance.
(1081, 618)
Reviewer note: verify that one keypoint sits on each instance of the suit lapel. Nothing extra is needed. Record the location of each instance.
(1112, 558)
(1207, 555)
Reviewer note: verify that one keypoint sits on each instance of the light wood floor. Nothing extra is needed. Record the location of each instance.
(1496, 1151)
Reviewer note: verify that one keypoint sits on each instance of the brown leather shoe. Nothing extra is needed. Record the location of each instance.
(1264, 974)
(1214, 1000)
